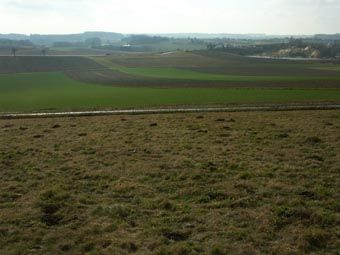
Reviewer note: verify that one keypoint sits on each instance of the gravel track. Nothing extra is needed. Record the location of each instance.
(170, 110)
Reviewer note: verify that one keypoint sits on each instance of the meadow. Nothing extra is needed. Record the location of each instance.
(211, 183)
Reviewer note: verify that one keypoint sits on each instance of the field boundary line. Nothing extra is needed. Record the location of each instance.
(168, 111)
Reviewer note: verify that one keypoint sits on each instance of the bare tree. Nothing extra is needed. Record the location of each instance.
(44, 51)
(14, 51)
(211, 46)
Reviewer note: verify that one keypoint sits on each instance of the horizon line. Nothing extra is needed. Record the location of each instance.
(169, 33)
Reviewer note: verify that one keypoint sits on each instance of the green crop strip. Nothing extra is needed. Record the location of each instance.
(56, 91)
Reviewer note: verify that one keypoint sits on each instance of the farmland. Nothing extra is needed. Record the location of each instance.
(13, 65)
(212, 183)
(141, 80)
(221, 63)
(55, 91)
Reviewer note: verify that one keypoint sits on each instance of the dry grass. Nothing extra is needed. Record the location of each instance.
(214, 183)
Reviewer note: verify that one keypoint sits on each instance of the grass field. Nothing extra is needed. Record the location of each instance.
(55, 91)
(214, 183)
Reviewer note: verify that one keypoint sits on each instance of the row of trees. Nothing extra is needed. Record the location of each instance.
(144, 39)
(90, 42)
(297, 47)
(15, 50)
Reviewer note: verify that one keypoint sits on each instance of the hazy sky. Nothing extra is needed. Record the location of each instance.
(156, 16)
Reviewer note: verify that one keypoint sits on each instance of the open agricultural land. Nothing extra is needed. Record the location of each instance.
(211, 183)
(171, 79)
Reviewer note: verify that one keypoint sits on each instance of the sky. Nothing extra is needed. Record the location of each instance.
(282, 17)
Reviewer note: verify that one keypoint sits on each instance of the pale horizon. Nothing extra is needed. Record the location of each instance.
(270, 17)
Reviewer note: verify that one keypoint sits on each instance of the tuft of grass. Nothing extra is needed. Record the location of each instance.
(313, 140)
(175, 235)
(314, 239)
(51, 203)
(129, 247)
(116, 211)
(217, 251)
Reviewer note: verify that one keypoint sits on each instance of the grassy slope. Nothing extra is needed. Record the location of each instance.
(41, 91)
(249, 183)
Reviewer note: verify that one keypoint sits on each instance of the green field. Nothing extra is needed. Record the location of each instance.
(56, 91)
(180, 74)
(143, 80)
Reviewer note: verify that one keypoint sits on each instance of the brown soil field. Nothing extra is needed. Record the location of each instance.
(28, 64)
(209, 183)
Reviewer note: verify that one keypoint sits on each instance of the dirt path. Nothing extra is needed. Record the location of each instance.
(169, 110)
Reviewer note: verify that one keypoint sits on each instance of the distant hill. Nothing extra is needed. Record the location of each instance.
(327, 37)
(72, 38)
(110, 37)
(49, 39)
(7, 43)
(14, 37)
(224, 36)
